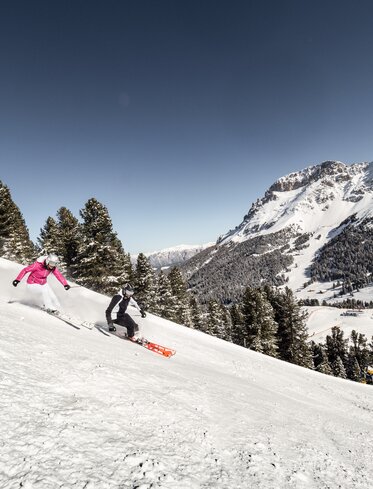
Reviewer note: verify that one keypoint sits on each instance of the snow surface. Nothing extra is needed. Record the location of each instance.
(82, 410)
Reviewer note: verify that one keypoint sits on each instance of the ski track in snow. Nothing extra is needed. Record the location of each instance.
(82, 410)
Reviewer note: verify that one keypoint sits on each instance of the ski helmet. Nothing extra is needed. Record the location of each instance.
(51, 260)
(128, 290)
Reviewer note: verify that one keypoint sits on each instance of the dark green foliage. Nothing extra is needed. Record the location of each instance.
(348, 360)
(227, 322)
(49, 239)
(179, 292)
(15, 243)
(101, 261)
(292, 331)
(309, 302)
(301, 242)
(166, 304)
(348, 257)
(324, 366)
(320, 359)
(70, 240)
(215, 320)
(63, 237)
(353, 370)
(237, 321)
(338, 368)
(358, 356)
(145, 283)
(336, 346)
(260, 328)
(197, 320)
(350, 304)
(270, 321)
(224, 273)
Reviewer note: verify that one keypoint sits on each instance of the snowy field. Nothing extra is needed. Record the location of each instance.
(322, 319)
(82, 410)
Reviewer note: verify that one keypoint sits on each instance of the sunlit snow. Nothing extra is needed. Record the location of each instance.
(82, 410)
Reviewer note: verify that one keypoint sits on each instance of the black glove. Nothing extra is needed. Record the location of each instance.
(15, 283)
(67, 286)
(143, 313)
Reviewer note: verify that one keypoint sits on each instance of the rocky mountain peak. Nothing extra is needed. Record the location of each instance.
(303, 193)
(327, 169)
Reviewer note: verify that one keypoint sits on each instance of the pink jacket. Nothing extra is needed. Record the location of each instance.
(39, 273)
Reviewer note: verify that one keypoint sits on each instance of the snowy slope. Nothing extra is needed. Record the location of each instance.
(322, 319)
(82, 410)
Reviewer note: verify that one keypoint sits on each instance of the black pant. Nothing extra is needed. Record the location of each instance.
(128, 323)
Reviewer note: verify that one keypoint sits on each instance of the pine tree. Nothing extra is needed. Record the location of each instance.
(15, 242)
(196, 315)
(359, 349)
(101, 260)
(215, 324)
(237, 321)
(179, 291)
(260, 326)
(353, 370)
(227, 323)
(336, 346)
(324, 365)
(166, 304)
(338, 368)
(316, 349)
(49, 239)
(128, 268)
(292, 330)
(70, 240)
(145, 284)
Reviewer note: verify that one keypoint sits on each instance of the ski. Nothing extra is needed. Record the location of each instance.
(102, 330)
(161, 350)
(87, 325)
(76, 323)
(149, 345)
(63, 318)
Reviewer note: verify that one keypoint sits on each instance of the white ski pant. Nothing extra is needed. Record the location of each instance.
(44, 295)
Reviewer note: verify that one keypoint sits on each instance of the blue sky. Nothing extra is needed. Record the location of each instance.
(177, 115)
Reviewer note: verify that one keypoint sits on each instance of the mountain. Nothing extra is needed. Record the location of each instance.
(80, 409)
(302, 219)
(174, 256)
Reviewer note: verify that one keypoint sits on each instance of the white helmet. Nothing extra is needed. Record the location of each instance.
(51, 260)
(127, 290)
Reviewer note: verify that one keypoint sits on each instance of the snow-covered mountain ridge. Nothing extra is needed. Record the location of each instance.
(319, 196)
(173, 256)
(82, 410)
(284, 231)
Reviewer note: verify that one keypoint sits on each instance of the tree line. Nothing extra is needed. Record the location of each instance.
(343, 357)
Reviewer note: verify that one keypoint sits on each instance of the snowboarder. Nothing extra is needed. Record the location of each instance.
(122, 299)
(37, 280)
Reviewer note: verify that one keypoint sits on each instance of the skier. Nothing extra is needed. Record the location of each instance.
(37, 280)
(122, 299)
